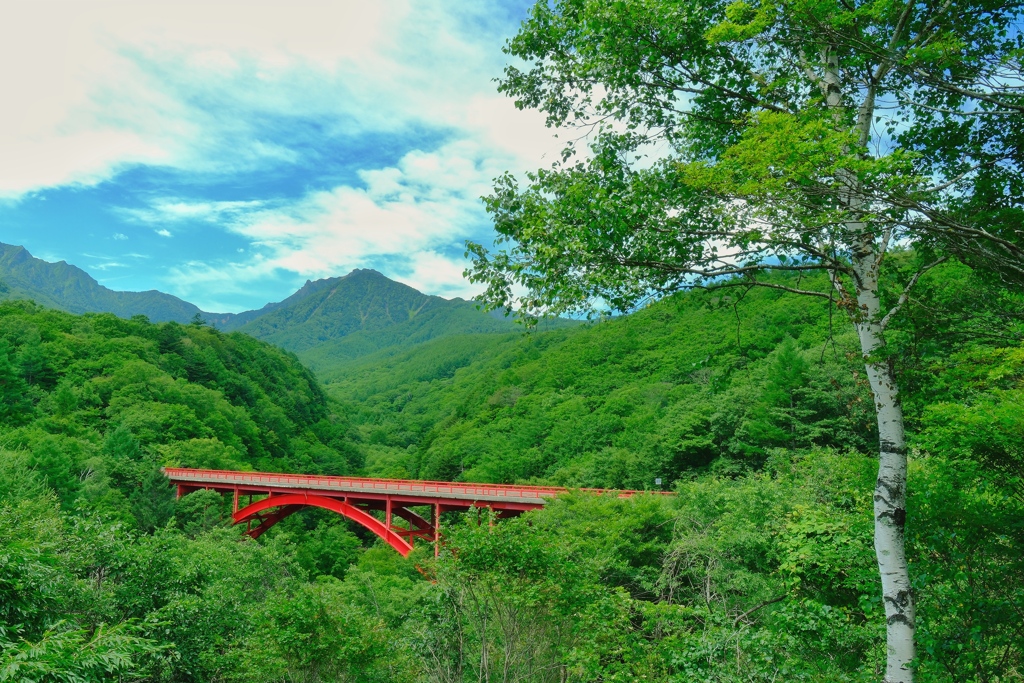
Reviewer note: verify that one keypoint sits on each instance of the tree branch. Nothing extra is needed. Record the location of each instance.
(956, 112)
(973, 94)
(906, 291)
(713, 272)
(953, 181)
(750, 611)
(809, 71)
(770, 285)
(844, 296)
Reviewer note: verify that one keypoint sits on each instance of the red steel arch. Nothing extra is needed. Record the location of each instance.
(292, 502)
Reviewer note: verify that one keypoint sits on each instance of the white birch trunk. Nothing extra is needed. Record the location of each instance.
(890, 499)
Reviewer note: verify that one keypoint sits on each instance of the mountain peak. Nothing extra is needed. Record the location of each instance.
(364, 300)
(358, 273)
(13, 254)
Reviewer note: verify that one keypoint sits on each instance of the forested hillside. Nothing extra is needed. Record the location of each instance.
(769, 259)
(329, 321)
(705, 379)
(96, 402)
(333, 321)
(363, 300)
(760, 568)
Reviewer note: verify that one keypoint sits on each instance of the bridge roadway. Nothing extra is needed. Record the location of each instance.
(272, 497)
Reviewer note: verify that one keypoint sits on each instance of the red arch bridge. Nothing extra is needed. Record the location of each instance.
(269, 498)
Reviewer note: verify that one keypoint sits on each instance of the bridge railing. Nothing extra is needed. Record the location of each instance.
(273, 479)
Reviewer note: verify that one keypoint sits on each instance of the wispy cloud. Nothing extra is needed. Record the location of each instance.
(190, 86)
(409, 220)
(162, 211)
(112, 85)
(163, 232)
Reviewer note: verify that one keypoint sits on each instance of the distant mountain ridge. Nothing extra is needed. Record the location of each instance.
(326, 322)
(69, 288)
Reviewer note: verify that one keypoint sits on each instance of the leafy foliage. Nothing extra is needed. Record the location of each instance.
(760, 568)
(789, 136)
(669, 388)
(100, 402)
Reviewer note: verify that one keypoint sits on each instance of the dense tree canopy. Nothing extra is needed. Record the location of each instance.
(760, 568)
(774, 125)
(785, 136)
(99, 403)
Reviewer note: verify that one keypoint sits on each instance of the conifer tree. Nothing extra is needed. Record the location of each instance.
(15, 403)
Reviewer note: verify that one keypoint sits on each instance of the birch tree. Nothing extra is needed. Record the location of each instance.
(729, 139)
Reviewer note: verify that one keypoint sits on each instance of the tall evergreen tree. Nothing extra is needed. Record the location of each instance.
(30, 359)
(15, 403)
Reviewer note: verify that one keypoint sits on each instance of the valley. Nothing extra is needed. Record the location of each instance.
(752, 409)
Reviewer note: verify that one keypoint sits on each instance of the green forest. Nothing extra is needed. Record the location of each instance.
(751, 408)
(773, 283)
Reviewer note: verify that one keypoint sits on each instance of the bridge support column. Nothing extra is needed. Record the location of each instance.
(436, 523)
(185, 490)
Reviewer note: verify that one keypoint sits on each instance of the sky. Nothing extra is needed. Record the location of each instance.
(227, 151)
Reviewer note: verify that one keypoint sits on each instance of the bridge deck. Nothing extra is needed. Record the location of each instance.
(410, 491)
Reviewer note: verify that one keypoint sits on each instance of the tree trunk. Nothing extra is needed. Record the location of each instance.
(890, 498)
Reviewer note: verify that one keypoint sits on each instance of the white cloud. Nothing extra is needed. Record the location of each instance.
(406, 217)
(101, 84)
(438, 274)
(211, 88)
(119, 236)
(109, 84)
(167, 210)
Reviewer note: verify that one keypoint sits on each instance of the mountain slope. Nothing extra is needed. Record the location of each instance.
(330, 359)
(187, 394)
(66, 287)
(686, 383)
(333, 321)
(619, 403)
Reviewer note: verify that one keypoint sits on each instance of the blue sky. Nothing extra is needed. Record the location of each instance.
(226, 151)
